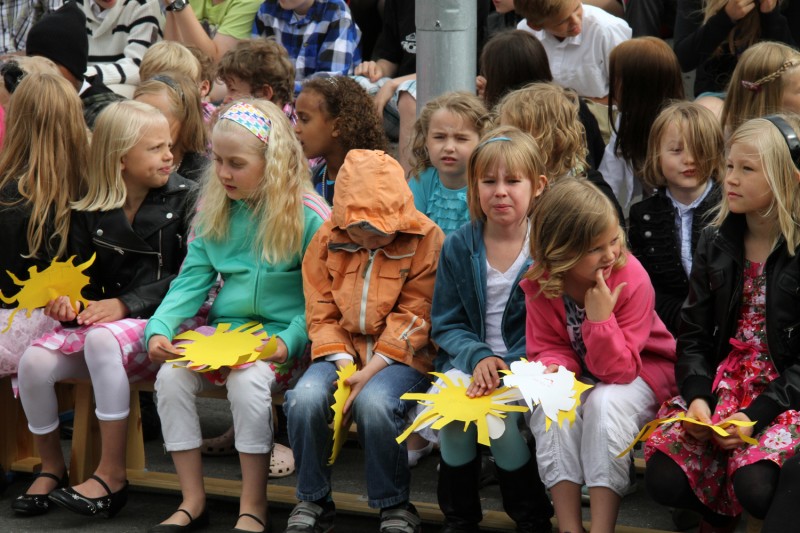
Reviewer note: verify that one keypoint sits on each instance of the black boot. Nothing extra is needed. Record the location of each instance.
(458, 495)
(525, 499)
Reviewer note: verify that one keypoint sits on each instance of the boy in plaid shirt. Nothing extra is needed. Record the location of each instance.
(320, 35)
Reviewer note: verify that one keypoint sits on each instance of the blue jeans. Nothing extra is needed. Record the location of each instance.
(380, 416)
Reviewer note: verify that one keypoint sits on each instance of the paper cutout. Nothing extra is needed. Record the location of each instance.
(557, 393)
(58, 279)
(719, 429)
(340, 397)
(224, 348)
(451, 404)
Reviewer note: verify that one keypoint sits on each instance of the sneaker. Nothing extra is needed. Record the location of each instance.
(400, 520)
(414, 456)
(308, 517)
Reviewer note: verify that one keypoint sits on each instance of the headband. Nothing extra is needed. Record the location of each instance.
(492, 140)
(251, 118)
(172, 84)
(789, 136)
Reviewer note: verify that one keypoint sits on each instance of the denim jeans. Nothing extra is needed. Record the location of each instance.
(380, 416)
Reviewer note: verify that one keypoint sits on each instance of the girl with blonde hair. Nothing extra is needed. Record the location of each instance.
(257, 215)
(131, 226)
(738, 357)
(38, 182)
(591, 309)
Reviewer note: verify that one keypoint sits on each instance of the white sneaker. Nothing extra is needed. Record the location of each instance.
(414, 456)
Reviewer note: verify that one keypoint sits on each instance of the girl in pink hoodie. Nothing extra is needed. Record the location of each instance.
(591, 309)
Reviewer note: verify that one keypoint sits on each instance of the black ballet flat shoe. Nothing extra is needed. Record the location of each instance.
(107, 505)
(37, 504)
(264, 528)
(194, 524)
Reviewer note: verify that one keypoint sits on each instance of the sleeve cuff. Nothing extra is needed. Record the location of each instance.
(339, 356)
(762, 411)
(388, 360)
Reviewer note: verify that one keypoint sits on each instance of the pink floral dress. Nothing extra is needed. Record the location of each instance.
(740, 378)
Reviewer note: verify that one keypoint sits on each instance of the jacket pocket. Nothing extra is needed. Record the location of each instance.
(391, 278)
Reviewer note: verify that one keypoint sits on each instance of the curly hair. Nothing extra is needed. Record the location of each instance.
(467, 106)
(358, 124)
(565, 223)
(260, 62)
(549, 113)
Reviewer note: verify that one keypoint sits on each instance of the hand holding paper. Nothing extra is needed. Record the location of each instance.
(341, 395)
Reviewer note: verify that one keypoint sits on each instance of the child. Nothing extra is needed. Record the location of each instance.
(645, 76)
(684, 164)
(257, 216)
(445, 134)
(258, 68)
(368, 279)
(578, 39)
(37, 187)
(766, 80)
(551, 114)
(591, 309)
(133, 205)
(480, 333)
(177, 97)
(319, 35)
(738, 358)
(335, 115)
(169, 56)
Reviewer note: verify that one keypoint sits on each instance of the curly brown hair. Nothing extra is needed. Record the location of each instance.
(359, 126)
(260, 62)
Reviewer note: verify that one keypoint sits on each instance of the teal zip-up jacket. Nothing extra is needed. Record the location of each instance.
(253, 289)
(458, 313)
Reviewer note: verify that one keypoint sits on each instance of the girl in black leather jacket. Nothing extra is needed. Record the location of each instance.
(134, 219)
(738, 353)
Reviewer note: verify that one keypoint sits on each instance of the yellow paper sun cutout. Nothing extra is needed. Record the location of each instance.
(340, 397)
(59, 279)
(225, 348)
(451, 404)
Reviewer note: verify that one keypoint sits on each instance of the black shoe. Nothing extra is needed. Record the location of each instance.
(264, 528)
(3, 480)
(37, 504)
(107, 505)
(525, 499)
(458, 497)
(194, 523)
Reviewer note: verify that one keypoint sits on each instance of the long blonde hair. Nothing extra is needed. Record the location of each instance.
(45, 153)
(780, 172)
(277, 204)
(565, 223)
(550, 114)
(119, 127)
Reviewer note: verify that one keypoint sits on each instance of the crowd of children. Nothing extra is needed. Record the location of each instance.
(576, 211)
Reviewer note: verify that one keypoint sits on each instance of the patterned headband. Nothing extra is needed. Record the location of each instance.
(251, 118)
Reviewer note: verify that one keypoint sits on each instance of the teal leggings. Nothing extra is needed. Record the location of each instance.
(459, 447)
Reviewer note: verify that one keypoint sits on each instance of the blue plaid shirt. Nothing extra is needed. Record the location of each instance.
(324, 41)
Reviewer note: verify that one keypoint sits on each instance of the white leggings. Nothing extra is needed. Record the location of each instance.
(101, 360)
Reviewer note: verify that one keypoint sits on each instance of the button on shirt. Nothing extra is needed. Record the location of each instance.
(684, 216)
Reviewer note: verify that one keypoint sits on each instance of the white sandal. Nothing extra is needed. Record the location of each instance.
(281, 462)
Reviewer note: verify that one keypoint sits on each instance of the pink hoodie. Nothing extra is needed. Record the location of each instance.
(632, 342)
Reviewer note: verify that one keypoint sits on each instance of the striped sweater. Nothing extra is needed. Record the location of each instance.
(119, 39)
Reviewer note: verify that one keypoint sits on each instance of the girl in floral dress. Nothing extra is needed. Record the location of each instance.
(738, 359)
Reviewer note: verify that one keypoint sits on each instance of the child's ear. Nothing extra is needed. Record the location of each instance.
(335, 132)
(205, 88)
(266, 92)
(541, 185)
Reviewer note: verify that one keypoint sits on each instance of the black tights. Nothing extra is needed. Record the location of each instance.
(753, 484)
(782, 514)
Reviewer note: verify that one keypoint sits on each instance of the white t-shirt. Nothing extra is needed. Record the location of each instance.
(498, 290)
(581, 62)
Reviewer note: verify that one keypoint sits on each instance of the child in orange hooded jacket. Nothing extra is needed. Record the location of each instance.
(368, 279)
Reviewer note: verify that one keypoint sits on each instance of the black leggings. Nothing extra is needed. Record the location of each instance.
(782, 514)
(753, 484)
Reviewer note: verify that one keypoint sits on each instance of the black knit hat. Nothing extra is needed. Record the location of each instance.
(61, 37)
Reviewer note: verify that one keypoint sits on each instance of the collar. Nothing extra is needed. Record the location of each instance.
(682, 208)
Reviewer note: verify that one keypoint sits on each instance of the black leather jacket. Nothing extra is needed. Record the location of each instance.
(711, 312)
(136, 263)
(655, 242)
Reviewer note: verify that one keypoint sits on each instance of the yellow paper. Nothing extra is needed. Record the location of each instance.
(225, 347)
(59, 279)
(558, 394)
(340, 397)
(451, 404)
(719, 429)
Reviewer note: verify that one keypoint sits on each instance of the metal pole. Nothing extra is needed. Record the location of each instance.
(447, 48)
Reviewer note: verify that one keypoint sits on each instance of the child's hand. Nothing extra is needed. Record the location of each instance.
(551, 368)
(369, 69)
(480, 85)
(160, 349)
(485, 376)
(102, 311)
(357, 381)
(600, 301)
(734, 440)
(61, 309)
(281, 352)
(738, 9)
(699, 410)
